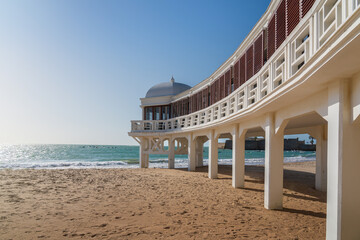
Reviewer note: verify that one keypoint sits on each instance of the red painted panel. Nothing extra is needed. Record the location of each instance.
(280, 24)
(204, 96)
(227, 82)
(199, 101)
(258, 53)
(242, 69)
(250, 62)
(212, 93)
(271, 36)
(237, 74)
(293, 15)
(222, 87)
(306, 6)
(195, 103)
(218, 90)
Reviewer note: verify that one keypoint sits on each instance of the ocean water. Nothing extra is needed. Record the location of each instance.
(106, 156)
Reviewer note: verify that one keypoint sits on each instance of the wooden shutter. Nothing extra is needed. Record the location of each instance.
(271, 36)
(227, 82)
(212, 93)
(203, 94)
(258, 53)
(280, 24)
(242, 69)
(250, 62)
(199, 101)
(292, 15)
(222, 87)
(306, 6)
(237, 74)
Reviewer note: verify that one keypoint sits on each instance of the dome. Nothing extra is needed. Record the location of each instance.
(167, 89)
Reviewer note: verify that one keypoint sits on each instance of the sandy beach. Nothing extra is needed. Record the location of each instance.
(157, 204)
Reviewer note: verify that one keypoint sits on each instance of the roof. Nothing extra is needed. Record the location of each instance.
(170, 88)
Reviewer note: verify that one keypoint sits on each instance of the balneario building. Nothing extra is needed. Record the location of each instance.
(298, 71)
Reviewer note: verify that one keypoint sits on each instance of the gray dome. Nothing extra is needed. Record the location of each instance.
(167, 89)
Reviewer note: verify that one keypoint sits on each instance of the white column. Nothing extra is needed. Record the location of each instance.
(191, 153)
(171, 155)
(144, 158)
(343, 191)
(274, 158)
(213, 156)
(199, 152)
(321, 159)
(238, 158)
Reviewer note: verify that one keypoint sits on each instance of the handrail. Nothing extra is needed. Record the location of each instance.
(296, 51)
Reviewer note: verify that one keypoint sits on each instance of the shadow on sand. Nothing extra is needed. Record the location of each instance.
(298, 181)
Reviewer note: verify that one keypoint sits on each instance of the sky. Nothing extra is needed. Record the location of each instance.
(72, 71)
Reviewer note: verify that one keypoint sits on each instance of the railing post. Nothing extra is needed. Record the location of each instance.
(227, 112)
(245, 102)
(287, 63)
(258, 90)
(236, 99)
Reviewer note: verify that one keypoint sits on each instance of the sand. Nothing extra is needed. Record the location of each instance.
(156, 204)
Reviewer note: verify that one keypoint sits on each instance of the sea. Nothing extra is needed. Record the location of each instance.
(113, 156)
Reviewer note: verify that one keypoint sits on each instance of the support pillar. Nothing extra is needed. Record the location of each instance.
(213, 155)
(144, 158)
(191, 153)
(274, 160)
(321, 159)
(199, 152)
(238, 158)
(171, 155)
(343, 191)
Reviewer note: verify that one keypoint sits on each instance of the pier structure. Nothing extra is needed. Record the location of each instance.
(298, 71)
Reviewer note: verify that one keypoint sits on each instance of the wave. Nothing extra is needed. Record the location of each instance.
(64, 165)
(132, 163)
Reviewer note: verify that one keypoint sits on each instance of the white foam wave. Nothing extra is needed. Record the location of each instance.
(157, 163)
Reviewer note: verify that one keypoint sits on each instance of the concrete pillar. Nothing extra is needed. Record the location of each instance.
(199, 152)
(213, 156)
(191, 153)
(144, 158)
(343, 191)
(274, 160)
(321, 159)
(171, 155)
(238, 158)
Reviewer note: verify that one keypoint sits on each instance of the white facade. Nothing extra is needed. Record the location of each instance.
(322, 98)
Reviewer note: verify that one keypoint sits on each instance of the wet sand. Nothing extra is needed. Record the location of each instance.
(157, 204)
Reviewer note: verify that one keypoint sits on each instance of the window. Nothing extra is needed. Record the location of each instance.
(165, 112)
(157, 113)
(148, 113)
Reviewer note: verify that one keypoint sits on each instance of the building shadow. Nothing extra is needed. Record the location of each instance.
(294, 180)
(303, 212)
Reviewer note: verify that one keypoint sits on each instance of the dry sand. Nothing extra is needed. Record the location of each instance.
(156, 204)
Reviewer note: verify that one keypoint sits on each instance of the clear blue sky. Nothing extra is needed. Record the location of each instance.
(73, 71)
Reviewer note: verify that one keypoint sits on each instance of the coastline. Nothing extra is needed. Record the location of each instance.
(157, 203)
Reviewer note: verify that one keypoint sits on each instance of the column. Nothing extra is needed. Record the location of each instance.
(343, 191)
(274, 158)
(321, 159)
(238, 158)
(213, 156)
(199, 152)
(144, 158)
(171, 155)
(191, 153)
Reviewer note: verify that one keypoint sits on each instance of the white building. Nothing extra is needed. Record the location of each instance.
(298, 71)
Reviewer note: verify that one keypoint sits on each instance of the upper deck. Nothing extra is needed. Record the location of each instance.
(272, 60)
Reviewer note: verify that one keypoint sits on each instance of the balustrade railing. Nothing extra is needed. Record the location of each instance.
(285, 63)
